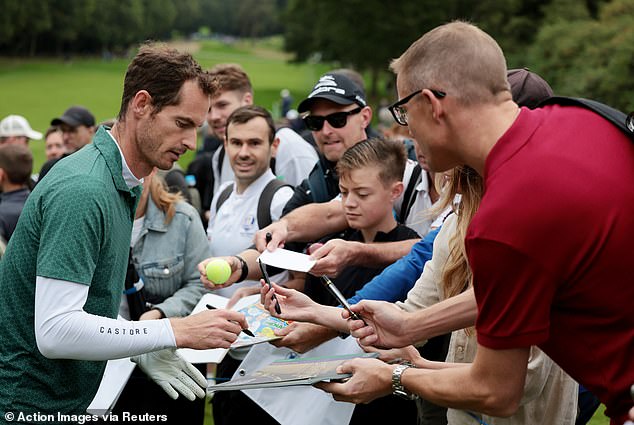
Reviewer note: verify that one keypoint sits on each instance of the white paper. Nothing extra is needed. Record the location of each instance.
(289, 260)
(112, 383)
(300, 404)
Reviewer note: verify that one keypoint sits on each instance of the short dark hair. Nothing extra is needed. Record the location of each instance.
(17, 161)
(52, 129)
(230, 77)
(388, 155)
(246, 113)
(162, 72)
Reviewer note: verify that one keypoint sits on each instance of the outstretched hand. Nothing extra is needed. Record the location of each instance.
(240, 293)
(236, 272)
(371, 379)
(208, 329)
(333, 257)
(278, 232)
(301, 337)
(294, 305)
(384, 324)
(409, 353)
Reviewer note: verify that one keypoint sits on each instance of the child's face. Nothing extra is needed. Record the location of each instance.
(366, 202)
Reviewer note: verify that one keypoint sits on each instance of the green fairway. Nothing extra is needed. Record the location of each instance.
(41, 89)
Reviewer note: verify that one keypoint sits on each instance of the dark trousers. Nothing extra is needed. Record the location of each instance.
(386, 410)
(142, 396)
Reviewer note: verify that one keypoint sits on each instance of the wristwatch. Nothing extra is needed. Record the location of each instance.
(398, 388)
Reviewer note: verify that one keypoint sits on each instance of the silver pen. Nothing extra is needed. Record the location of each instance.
(339, 296)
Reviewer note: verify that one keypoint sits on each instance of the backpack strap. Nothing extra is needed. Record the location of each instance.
(616, 117)
(224, 196)
(408, 195)
(264, 203)
(221, 158)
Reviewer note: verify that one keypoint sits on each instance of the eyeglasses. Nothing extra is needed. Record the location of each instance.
(398, 110)
(336, 120)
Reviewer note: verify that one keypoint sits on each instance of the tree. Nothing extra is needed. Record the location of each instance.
(188, 16)
(158, 18)
(589, 57)
(70, 19)
(257, 18)
(18, 30)
(363, 34)
(367, 34)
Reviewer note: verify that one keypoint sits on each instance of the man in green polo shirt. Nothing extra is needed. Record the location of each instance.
(62, 275)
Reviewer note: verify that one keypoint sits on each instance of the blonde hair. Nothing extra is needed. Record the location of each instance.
(457, 58)
(163, 199)
(463, 180)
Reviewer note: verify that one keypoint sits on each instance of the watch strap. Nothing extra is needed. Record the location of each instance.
(397, 387)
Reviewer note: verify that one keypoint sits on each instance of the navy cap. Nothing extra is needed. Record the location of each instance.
(338, 89)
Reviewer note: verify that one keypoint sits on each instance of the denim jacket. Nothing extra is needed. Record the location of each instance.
(166, 257)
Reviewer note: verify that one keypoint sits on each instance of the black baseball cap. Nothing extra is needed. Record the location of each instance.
(336, 88)
(75, 116)
(528, 88)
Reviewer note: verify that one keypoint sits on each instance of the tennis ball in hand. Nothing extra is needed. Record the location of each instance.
(218, 271)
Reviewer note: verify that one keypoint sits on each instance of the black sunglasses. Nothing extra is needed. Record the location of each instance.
(336, 120)
(400, 113)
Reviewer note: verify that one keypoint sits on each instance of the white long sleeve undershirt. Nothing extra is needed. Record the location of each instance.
(63, 330)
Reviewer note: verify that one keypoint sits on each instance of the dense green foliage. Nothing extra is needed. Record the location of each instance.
(64, 27)
(583, 48)
(586, 56)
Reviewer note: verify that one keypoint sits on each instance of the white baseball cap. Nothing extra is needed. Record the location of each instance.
(17, 125)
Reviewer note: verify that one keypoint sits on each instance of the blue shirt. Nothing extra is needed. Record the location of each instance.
(396, 280)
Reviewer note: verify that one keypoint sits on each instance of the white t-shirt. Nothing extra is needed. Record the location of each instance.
(295, 157)
(232, 228)
(416, 219)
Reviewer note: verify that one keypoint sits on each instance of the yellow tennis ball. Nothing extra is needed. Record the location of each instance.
(218, 271)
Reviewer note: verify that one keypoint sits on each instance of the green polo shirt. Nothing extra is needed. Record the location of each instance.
(75, 226)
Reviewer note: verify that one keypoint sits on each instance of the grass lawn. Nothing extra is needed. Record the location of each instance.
(41, 89)
(599, 418)
(209, 420)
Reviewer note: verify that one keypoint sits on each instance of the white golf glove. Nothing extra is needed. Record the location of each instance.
(172, 373)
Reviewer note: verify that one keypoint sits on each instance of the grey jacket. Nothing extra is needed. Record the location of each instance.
(166, 257)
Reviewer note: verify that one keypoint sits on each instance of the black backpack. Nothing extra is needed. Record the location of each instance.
(619, 119)
(264, 203)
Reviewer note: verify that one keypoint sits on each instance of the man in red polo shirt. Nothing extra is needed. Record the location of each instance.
(550, 246)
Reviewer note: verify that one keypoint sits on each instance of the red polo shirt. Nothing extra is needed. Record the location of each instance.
(551, 248)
